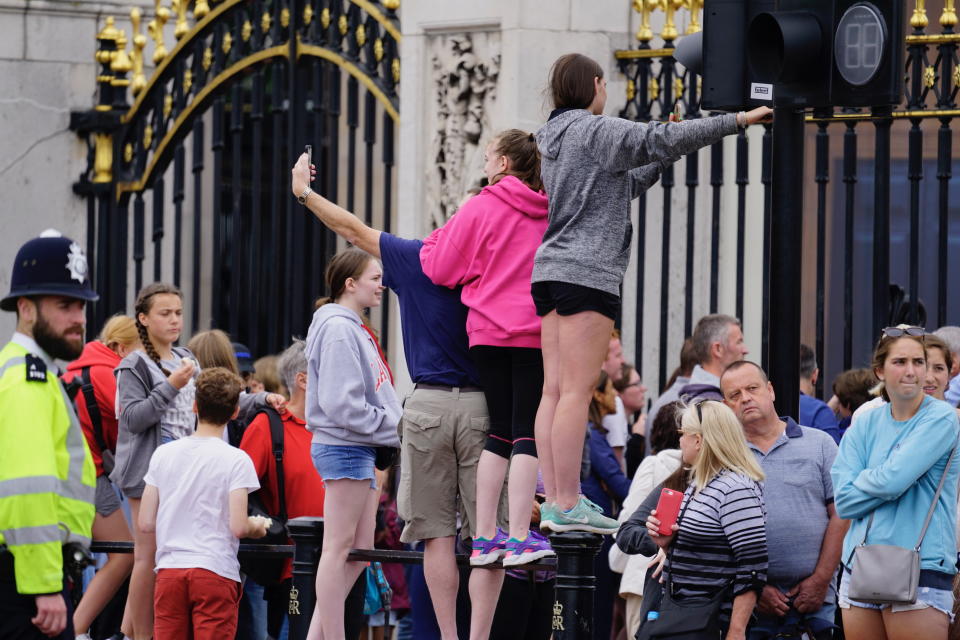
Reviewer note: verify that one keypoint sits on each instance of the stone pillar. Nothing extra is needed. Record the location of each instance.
(471, 69)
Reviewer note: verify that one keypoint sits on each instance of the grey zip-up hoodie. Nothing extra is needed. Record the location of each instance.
(592, 166)
(142, 404)
(350, 399)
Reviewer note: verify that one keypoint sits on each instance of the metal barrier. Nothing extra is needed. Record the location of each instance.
(575, 585)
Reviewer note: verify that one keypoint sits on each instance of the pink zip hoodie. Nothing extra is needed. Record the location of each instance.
(488, 247)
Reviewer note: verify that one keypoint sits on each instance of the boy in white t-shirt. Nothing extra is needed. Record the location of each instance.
(196, 501)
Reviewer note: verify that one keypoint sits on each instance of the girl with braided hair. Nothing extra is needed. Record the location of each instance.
(155, 397)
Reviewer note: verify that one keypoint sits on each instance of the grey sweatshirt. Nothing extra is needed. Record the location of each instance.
(350, 399)
(142, 405)
(592, 166)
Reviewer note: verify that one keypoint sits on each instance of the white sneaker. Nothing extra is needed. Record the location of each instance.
(84, 636)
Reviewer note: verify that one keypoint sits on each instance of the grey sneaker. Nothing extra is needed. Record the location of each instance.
(584, 516)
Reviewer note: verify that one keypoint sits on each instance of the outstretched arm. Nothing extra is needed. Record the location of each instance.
(336, 218)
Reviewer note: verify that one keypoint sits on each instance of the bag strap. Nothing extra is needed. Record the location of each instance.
(933, 504)
(936, 496)
(276, 441)
(93, 409)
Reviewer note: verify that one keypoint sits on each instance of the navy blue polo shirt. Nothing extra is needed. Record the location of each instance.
(816, 414)
(433, 320)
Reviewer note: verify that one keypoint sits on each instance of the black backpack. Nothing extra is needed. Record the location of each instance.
(82, 385)
(262, 570)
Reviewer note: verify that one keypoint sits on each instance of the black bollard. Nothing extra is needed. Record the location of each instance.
(576, 584)
(307, 534)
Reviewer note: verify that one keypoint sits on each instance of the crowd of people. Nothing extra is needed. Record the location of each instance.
(525, 421)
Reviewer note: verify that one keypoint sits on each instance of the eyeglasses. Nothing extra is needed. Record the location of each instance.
(897, 332)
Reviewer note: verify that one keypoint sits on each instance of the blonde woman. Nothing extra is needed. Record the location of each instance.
(718, 548)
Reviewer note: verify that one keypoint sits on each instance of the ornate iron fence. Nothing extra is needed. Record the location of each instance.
(876, 252)
(245, 86)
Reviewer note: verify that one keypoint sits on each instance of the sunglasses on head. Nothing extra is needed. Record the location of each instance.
(897, 332)
(698, 405)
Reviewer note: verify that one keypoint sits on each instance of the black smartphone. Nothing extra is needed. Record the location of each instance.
(308, 149)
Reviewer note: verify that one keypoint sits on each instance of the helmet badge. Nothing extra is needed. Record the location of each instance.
(77, 263)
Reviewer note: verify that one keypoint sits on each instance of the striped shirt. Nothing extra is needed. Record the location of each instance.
(722, 539)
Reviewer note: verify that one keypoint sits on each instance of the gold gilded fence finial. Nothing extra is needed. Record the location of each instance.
(670, 7)
(391, 5)
(200, 10)
(694, 7)
(139, 81)
(948, 19)
(106, 47)
(919, 18)
(645, 8)
(155, 29)
(180, 8)
(121, 65)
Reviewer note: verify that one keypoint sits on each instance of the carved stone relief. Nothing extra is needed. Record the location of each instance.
(464, 71)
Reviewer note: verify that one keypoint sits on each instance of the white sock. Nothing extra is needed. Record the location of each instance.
(84, 636)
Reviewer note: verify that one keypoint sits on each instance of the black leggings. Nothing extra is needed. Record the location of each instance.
(512, 381)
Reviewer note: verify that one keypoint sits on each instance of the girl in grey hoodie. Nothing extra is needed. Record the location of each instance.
(155, 394)
(352, 409)
(592, 166)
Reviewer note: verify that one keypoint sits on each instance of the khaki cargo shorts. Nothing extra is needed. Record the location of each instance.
(442, 435)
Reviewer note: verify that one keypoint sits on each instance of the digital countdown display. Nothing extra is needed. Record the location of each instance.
(859, 44)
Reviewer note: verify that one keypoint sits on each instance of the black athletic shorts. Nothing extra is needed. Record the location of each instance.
(569, 299)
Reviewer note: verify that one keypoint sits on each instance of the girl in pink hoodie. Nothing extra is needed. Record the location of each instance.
(488, 248)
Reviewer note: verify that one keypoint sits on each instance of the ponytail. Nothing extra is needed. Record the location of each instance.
(521, 148)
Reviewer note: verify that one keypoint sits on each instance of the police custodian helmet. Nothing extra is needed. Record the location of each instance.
(50, 265)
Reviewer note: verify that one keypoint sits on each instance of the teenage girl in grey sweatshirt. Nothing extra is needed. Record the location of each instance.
(155, 395)
(592, 166)
(352, 409)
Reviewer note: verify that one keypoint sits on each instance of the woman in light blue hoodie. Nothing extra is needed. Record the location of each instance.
(352, 409)
(885, 478)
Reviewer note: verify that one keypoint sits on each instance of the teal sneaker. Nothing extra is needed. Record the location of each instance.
(584, 516)
(547, 511)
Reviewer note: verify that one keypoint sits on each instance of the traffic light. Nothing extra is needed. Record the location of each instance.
(718, 54)
(868, 53)
(797, 53)
(790, 48)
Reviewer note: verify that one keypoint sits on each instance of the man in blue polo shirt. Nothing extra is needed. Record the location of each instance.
(445, 419)
(813, 411)
(804, 533)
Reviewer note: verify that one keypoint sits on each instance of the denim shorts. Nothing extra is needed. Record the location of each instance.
(344, 462)
(939, 599)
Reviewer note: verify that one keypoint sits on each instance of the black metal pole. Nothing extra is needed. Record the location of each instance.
(576, 585)
(786, 251)
(307, 534)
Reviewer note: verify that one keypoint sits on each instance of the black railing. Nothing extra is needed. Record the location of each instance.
(879, 231)
(572, 616)
(246, 85)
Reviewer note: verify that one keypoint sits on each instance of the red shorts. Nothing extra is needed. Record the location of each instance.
(194, 604)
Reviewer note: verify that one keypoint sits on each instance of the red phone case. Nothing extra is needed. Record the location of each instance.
(668, 508)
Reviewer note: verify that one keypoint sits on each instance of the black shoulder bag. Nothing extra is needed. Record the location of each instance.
(96, 420)
(686, 619)
(269, 571)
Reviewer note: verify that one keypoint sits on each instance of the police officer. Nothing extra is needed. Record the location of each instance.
(47, 476)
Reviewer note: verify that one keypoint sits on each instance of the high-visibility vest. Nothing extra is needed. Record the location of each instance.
(47, 475)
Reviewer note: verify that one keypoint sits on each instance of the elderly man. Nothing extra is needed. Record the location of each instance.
(802, 523)
(717, 342)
